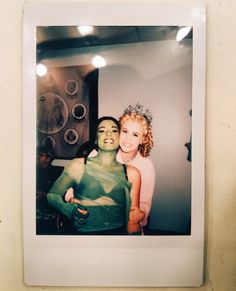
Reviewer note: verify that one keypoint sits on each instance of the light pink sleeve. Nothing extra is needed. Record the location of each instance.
(147, 188)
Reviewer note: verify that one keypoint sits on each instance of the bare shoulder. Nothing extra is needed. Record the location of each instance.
(75, 166)
(76, 161)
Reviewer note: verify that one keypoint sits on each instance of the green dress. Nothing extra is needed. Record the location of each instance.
(105, 193)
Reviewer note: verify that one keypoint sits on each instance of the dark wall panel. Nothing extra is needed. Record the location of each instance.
(67, 106)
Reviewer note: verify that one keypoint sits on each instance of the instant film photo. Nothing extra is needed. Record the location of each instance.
(113, 143)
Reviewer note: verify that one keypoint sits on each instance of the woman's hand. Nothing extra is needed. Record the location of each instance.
(79, 216)
(74, 200)
(136, 215)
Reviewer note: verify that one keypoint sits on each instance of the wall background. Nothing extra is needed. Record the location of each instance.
(220, 242)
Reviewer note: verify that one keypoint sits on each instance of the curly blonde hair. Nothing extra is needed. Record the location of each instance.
(147, 143)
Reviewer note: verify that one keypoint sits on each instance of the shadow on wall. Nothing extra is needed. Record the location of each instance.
(171, 210)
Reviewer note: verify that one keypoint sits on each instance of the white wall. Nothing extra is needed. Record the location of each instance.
(158, 75)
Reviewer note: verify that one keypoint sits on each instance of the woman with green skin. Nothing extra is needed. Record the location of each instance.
(106, 193)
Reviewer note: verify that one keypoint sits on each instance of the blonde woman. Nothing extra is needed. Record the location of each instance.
(136, 142)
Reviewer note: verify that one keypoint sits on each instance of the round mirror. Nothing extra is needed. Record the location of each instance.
(79, 111)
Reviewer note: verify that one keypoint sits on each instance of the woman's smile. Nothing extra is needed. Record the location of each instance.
(131, 136)
(125, 144)
(109, 140)
(108, 135)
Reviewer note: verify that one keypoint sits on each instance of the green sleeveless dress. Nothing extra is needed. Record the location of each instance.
(104, 193)
(106, 196)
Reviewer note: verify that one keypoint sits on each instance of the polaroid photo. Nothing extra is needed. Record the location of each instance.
(113, 143)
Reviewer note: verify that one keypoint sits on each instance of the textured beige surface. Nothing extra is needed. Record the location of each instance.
(220, 259)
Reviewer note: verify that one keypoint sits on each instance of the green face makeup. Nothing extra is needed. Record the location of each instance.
(108, 136)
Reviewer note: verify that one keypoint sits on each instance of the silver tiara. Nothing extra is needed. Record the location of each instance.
(139, 109)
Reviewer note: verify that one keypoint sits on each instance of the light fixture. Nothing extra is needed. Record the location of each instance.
(41, 70)
(182, 32)
(85, 29)
(98, 61)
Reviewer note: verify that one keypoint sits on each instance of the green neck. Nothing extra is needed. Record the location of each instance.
(106, 158)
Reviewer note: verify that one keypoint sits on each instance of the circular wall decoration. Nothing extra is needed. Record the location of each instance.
(79, 111)
(71, 87)
(71, 136)
(52, 113)
(49, 142)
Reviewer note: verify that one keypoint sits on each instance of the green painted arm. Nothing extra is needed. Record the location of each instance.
(56, 193)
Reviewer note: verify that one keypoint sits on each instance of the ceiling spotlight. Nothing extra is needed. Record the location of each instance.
(182, 32)
(85, 30)
(98, 62)
(41, 70)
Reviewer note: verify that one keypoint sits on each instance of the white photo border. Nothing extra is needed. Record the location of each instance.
(161, 261)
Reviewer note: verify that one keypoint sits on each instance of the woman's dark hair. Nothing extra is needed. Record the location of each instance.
(107, 118)
(86, 148)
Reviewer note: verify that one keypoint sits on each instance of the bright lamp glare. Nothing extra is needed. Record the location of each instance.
(99, 62)
(85, 30)
(182, 32)
(41, 70)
